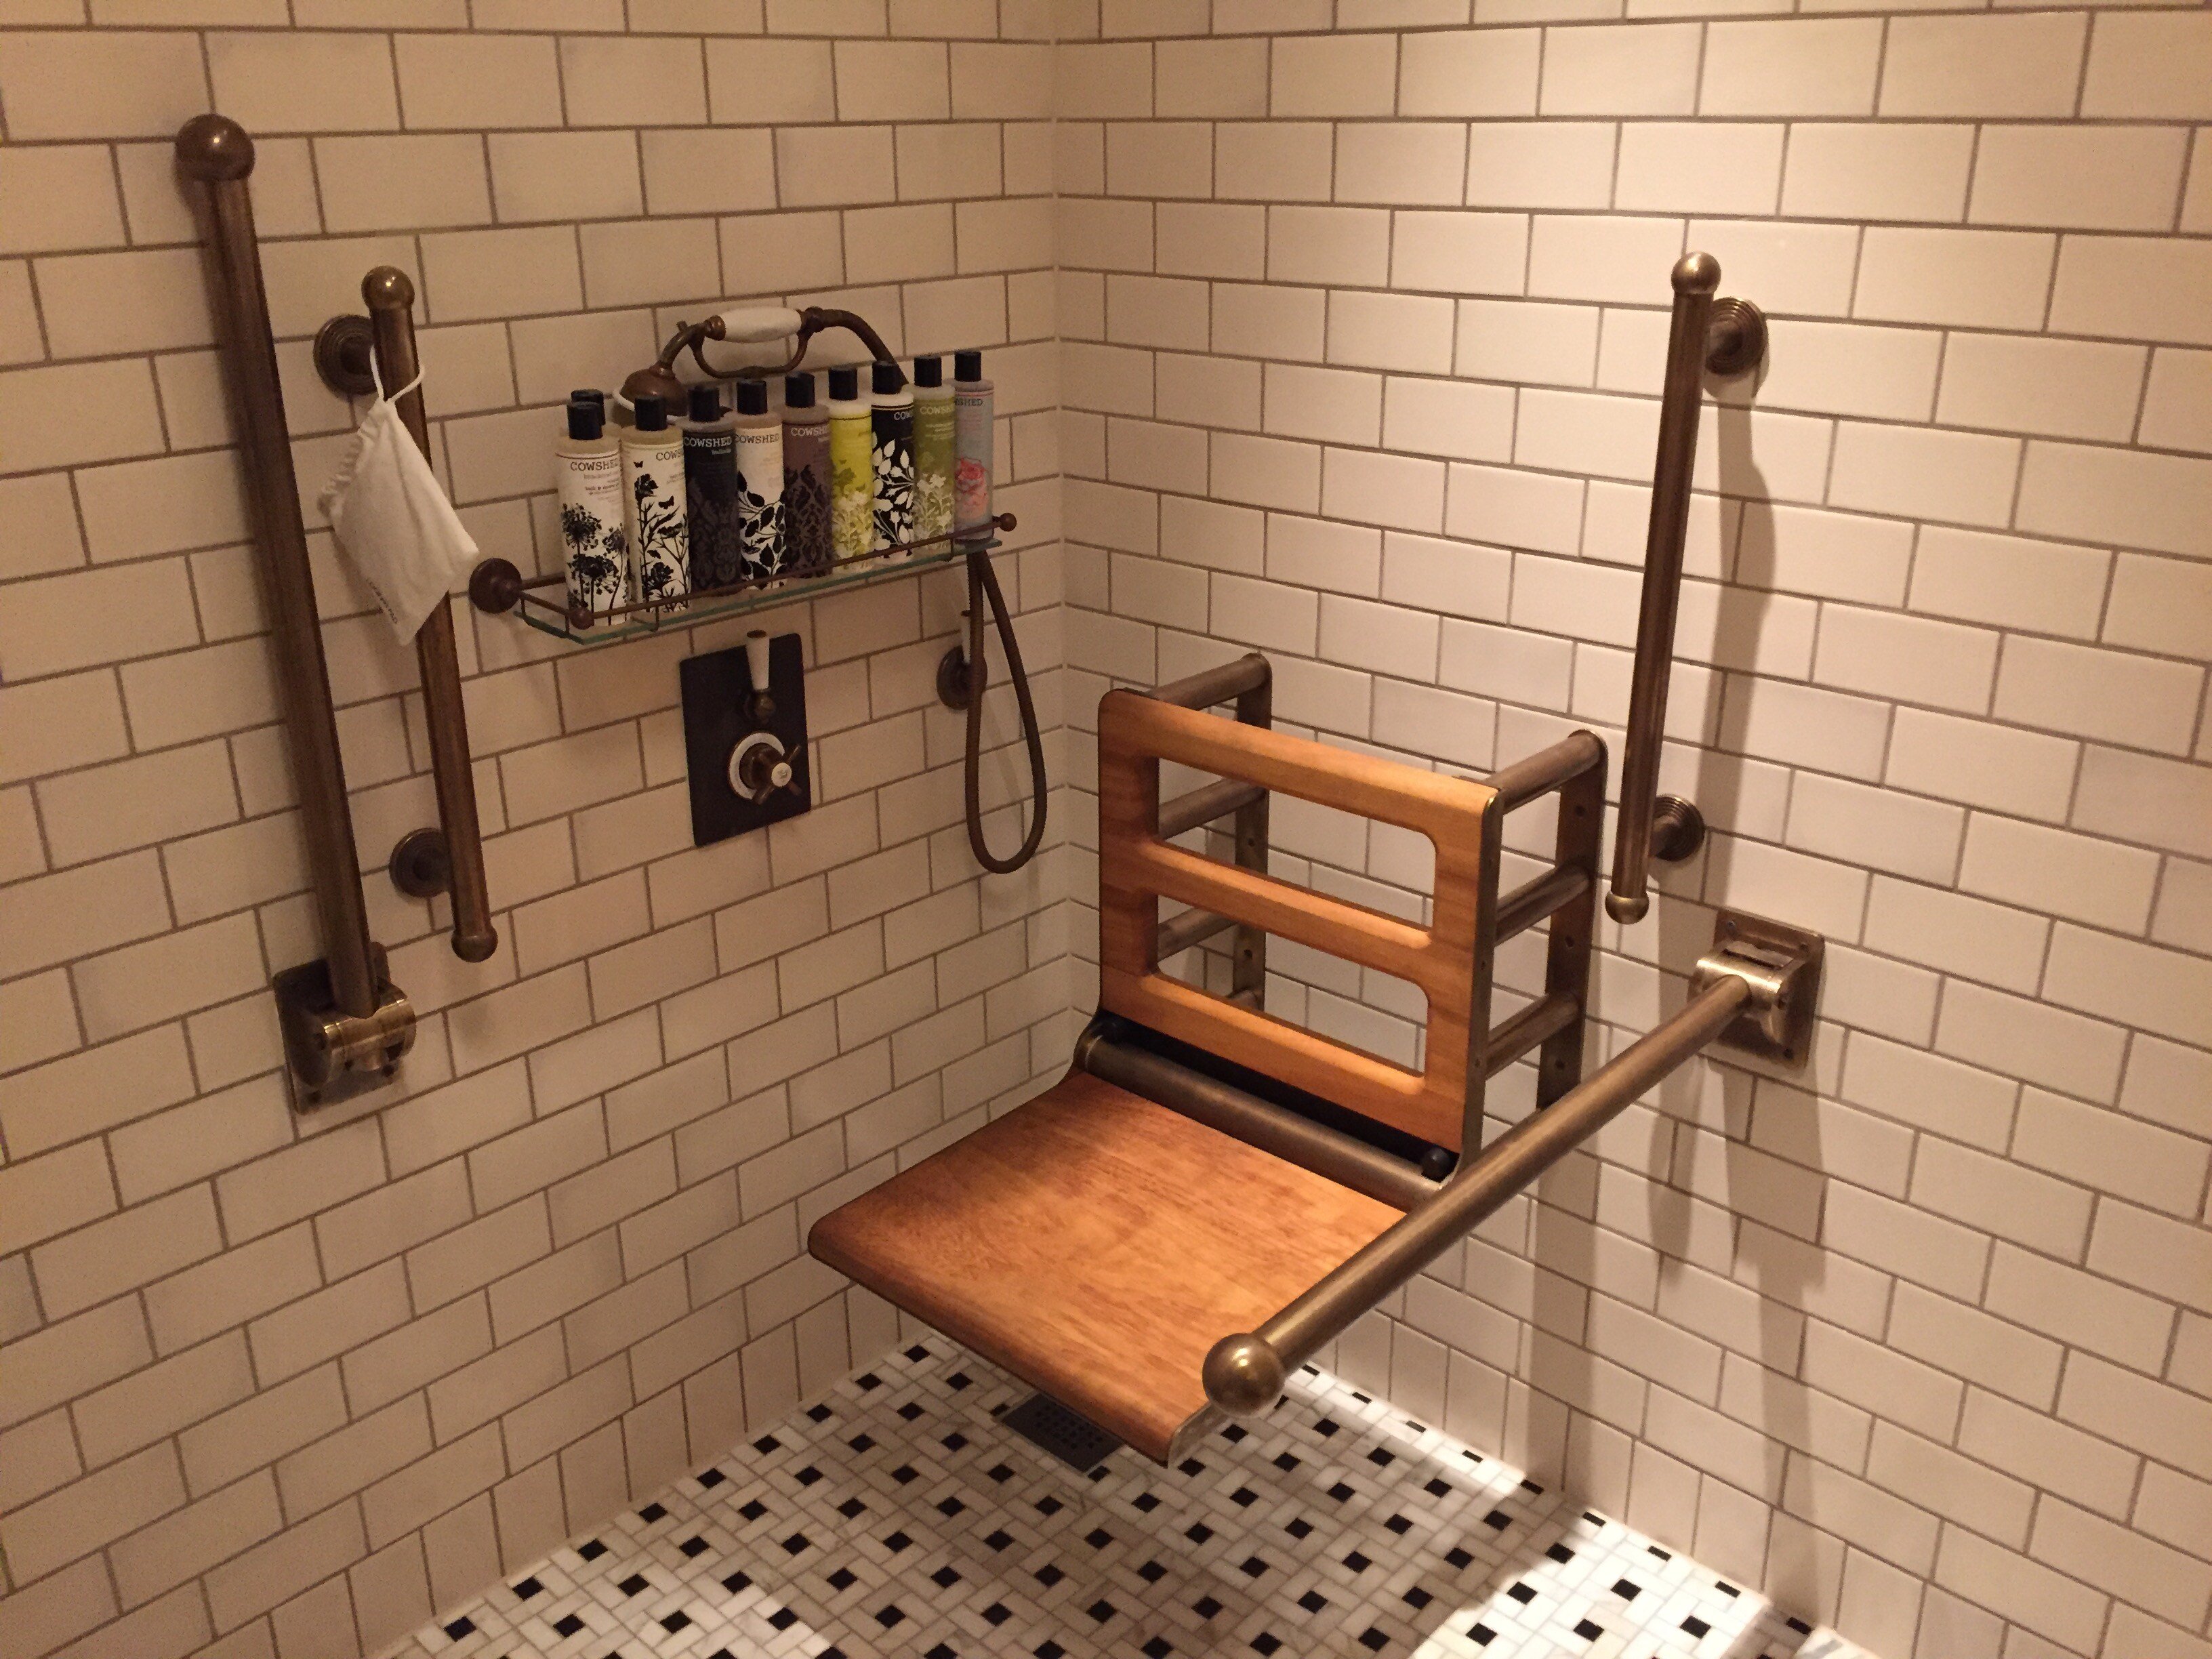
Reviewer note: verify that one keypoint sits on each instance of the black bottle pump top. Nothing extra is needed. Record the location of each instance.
(967, 365)
(752, 397)
(844, 384)
(706, 403)
(929, 371)
(798, 391)
(590, 394)
(888, 379)
(585, 418)
(651, 412)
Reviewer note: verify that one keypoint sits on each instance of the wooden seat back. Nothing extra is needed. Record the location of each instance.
(1449, 959)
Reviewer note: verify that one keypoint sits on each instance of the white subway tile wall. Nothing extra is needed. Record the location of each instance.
(283, 1386)
(1919, 1341)
(1345, 327)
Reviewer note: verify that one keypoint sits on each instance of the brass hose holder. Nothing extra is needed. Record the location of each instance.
(335, 1055)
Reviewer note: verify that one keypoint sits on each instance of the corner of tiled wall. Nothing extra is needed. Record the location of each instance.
(1363, 310)
(278, 1385)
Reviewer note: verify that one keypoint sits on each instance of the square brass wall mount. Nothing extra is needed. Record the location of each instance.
(1782, 966)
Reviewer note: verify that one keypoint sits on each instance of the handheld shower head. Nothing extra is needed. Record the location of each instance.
(752, 325)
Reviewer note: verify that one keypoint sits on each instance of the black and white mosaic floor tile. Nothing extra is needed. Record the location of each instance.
(897, 1517)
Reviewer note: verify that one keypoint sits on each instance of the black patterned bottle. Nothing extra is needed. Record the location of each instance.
(892, 421)
(710, 491)
(806, 478)
(760, 483)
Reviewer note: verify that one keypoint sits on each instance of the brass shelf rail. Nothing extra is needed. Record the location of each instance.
(541, 602)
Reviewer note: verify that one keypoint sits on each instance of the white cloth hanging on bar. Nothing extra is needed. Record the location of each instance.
(391, 517)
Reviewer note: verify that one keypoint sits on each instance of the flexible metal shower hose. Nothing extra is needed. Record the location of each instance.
(983, 585)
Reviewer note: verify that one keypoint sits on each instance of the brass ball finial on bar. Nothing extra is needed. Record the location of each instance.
(214, 150)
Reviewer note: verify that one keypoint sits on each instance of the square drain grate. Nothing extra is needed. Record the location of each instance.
(1074, 1439)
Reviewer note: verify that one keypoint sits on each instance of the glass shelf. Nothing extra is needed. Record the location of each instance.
(541, 602)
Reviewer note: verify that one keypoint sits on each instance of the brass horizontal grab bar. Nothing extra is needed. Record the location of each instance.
(1756, 985)
(1530, 902)
(1257, 1122)
(1186, 928)
(1244, 1373)
(1210, 686)
(1206, 803)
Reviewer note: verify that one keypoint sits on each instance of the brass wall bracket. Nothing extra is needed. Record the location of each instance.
(421, 867)
(345, 355)
(1735, 338)
(1781, 966)
(335, 1055)
(1678, 829)
(496, 585)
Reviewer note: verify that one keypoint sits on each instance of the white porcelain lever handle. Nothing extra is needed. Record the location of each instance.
(754, 323)
(757, 644)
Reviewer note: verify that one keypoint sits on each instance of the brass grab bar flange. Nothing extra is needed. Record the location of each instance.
(420, 866)
(1735, 338)
(1781, 964)
(334, 1055)
(344, 354)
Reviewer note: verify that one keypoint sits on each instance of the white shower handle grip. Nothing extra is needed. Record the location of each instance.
(755, 324)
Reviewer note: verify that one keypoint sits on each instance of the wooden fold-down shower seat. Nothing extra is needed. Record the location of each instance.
(1099, 1244)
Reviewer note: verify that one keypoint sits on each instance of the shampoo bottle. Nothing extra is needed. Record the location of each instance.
(971, 477)
(932, 450)
(806, 478)
(711, 507)
(760, 483)
(892, 419)
(593, 533)
(852, 471)
(652, 483)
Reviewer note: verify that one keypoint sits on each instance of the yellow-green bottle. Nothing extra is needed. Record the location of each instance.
(852, 467)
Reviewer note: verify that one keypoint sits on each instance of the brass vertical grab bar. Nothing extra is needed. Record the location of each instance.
(427, 862)
(345, 1024)
(1726, 336)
